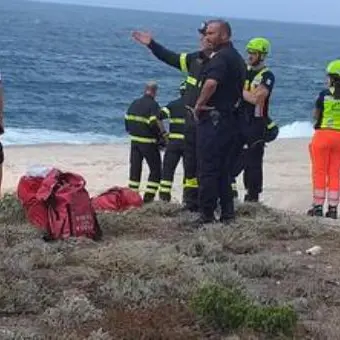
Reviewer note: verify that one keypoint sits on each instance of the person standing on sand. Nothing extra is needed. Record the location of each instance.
(216, 113)
(325, 146)
(256, 124)
(142, 122)
(192, 65)
(2, 130)
(175, 112)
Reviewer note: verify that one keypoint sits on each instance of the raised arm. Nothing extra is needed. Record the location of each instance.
(181, 61)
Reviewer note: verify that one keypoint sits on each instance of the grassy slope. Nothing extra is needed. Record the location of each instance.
(145, 279)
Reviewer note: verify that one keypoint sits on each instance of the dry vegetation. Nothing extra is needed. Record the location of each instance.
(154, 277)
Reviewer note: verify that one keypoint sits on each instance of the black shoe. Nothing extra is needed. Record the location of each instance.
(252, 198)
(332, 212)
(148, 198)
(316, 210)
(201, 221)
(189, 208)
(227, 220)
(228, 212)
(165, 197)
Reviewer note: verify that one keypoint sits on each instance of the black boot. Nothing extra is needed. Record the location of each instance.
(188, 208)
(228, 213)
(251, 197)
(202, 220)
(332, 212)
(165, 197)
(316, 210)
(148, 198)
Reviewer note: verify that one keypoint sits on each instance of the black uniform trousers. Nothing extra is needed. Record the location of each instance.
(253, 157)
(218, 150)
(173, 154)
(190, 193)
(151, 154)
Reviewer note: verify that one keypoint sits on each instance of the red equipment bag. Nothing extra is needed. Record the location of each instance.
(36, 211)
(69, 209)
(117, 199)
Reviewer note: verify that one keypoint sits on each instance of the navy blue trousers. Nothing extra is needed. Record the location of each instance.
(218, 148)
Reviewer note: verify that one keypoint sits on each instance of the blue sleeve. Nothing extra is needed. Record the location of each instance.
(319, 101)
(268, 81)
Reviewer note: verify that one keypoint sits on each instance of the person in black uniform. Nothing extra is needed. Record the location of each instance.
(217, 130)
(191, 64)
(141, 122)
(175, 112)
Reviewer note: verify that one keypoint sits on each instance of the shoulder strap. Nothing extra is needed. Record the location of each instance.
(261, 72)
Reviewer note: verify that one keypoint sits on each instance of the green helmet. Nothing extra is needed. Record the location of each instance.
(260, 45)
(334, 67)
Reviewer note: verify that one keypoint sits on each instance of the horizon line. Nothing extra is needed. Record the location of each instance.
(55, 2)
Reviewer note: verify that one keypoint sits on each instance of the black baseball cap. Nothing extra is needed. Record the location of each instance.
(203, 27)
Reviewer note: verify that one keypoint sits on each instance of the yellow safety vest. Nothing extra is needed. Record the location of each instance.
(251, 86)
(331, 112)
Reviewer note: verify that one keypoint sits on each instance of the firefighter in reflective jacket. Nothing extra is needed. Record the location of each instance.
(141, 122)
(192, 65)
(258, 127)
(175, 112)
(325, 146)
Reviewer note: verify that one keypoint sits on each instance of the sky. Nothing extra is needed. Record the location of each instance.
(306, 11)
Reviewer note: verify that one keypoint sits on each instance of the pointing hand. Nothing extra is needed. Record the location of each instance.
(142, 37)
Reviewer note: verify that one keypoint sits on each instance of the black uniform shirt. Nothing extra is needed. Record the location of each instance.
(228, 68)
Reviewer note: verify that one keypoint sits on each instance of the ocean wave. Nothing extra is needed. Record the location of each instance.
(298, 129)
(17, 136)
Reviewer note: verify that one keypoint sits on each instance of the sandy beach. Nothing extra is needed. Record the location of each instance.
(287, 169)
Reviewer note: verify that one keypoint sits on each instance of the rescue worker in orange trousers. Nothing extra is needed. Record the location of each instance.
(175, 112)
(142, 123)
(191, 64)
(325, 146)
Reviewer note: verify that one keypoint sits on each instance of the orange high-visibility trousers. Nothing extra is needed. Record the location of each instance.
(324, 152)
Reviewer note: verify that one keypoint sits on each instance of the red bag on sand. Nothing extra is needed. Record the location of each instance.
(36, 211)
(68, 206)
(117, 199)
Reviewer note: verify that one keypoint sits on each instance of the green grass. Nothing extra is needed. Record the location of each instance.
(230, 309)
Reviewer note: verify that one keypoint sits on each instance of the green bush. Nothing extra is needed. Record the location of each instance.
(11, 210)
(230, 309)
(272, 319)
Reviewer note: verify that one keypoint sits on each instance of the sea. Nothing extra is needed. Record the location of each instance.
(69, 72)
